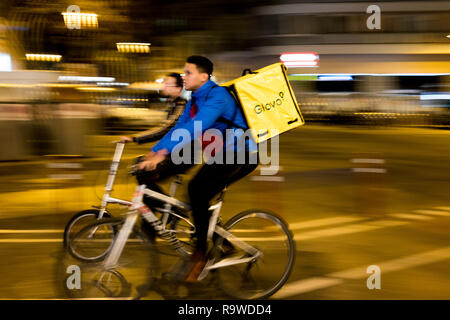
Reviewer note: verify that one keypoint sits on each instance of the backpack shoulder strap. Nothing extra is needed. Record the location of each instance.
(230, 122)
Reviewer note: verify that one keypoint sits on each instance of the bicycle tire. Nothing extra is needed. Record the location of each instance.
(75, 220)
(138, 254)
(229, 275)
(79, 250)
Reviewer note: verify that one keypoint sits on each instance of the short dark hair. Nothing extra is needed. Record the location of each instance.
(203, 64)
(177, 76)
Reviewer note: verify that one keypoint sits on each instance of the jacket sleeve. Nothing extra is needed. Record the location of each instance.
(208, 114)
(184, 117)
(148, 135)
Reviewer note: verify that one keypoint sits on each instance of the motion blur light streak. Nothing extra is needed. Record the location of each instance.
(86, 79)
(133, 47)
(335, 78)
(77, 20)
(300, 59)
(435, 96)
(113, 84)
(15, 85)
(94, 89)
(43, 57)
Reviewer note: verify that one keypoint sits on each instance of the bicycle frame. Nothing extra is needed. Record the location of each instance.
(214, 228)
(170, 201)
(130, 220)
(112, 260)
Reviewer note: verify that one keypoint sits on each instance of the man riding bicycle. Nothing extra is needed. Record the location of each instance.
(214, 108)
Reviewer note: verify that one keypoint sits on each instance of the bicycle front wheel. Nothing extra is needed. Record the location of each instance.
(263, 276)
(137, 266)
(93, 242)
(75, 224)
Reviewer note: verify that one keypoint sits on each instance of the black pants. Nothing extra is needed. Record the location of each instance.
(210, 180)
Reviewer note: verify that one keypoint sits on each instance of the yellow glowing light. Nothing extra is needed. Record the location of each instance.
(58, 85)
(15, 85)
(43, 57)
(95, 89)
(133, 47)
(38, 85)
(77, 20)
(133, 99)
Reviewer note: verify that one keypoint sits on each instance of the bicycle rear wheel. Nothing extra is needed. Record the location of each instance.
(265, 275)
(137, 267)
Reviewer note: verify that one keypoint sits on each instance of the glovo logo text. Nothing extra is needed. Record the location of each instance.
(263, 107)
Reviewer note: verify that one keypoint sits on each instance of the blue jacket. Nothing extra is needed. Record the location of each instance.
(213, 102)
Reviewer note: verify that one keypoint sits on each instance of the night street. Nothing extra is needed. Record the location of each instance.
(343, 220)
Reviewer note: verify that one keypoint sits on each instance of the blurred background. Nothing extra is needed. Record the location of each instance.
(75, 75)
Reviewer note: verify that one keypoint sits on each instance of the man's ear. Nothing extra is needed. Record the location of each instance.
(204, 77)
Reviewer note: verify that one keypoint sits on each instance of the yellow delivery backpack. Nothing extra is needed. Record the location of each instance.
(267, 101)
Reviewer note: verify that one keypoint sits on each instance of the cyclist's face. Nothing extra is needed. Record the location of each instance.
(170, 87)
(193, 79)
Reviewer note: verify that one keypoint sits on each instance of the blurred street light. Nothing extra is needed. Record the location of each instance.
(335, 78)
(43, 57)
(95, 89)
(133, 47)
(74, 19)
(86, 79)
(112, 84)
(300, 59)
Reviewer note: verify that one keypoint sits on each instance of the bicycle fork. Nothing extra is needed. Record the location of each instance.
(251, 253)
(122, 237)
(138, 207)
(120, 241)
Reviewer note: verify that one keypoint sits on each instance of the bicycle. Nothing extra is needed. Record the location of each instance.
(239, 249)
(85, 217)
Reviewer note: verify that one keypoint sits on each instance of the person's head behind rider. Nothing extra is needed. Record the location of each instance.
(172, 85)
(197, 71)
